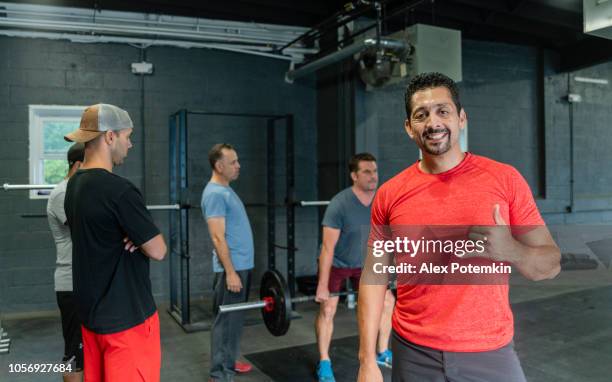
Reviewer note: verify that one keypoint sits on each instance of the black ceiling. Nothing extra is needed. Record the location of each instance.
(553, 24)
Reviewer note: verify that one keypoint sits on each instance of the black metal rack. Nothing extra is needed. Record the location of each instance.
(179, 219)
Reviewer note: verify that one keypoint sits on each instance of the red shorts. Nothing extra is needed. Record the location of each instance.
(130, 355)
(338, 275)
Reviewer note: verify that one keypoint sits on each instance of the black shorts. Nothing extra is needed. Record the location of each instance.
(416, 363)
(71, 329)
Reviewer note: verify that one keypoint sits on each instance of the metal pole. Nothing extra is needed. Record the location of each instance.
(178, 207)
(271, 196)
(344, 53)
(184, 225)
(290, 206)
(164, 207)
(262, 304)
(314, 203)
(241, 306)
(174, 306)
(12, 187)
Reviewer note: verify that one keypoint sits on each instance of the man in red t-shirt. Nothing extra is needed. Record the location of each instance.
(451, 331)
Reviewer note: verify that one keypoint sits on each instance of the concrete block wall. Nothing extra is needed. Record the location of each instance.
(37, 71)
(589, 123)
(53, 73)
(499, 93)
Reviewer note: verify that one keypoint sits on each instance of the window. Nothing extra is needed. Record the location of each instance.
(48, 125)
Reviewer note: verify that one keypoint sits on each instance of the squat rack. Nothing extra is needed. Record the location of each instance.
(179, 218)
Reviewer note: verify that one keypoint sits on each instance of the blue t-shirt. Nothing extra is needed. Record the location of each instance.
(218, 200)
(346, 213)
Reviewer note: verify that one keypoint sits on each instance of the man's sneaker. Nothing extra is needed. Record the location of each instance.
(242, 367)
(385, 358)
(324, 371)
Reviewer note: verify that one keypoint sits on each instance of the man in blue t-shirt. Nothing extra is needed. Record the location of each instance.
(233, 259)
(345, 231)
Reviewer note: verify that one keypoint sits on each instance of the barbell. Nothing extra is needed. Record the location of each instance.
(301, 203)
(275, 303)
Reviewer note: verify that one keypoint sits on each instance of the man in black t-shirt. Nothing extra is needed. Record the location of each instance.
(113, 237)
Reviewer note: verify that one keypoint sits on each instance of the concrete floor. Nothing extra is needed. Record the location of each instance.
(563, 333)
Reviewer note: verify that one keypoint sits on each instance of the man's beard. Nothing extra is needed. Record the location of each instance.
(441, 147)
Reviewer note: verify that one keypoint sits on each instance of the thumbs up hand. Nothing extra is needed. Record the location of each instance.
(498, 241)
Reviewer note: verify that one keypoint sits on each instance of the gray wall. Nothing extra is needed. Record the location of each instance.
(499, 91)
(500, 94)
(36, 71)
(589, 122)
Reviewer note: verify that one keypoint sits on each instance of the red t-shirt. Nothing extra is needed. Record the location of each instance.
(461, 318)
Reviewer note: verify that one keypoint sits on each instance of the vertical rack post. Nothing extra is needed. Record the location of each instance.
(271, 208)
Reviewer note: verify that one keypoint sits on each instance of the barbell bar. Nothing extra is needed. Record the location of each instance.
(275, 303)
(270, 304)
(15, 187)
(313, 203)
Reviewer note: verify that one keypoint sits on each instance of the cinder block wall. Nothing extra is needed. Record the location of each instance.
(36, 71)
(499, 92)
(500, 95)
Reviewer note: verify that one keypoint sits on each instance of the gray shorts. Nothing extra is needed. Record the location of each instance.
(415, 363)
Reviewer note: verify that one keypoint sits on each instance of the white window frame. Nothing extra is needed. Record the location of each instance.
(39, 114)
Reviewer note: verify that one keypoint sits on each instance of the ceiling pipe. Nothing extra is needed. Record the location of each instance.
(138, 30)
(101, 26)
(340, 55)
(296, 55)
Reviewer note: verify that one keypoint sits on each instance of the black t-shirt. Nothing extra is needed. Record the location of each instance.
(111, 285)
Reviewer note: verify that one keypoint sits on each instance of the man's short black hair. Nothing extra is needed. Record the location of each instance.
(428, 81)
(355, 159)
(76, 153)
(216, 153)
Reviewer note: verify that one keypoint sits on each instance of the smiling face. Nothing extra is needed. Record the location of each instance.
(434, 122)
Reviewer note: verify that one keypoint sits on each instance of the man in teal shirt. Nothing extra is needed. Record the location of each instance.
(233, 259)
(345, 226)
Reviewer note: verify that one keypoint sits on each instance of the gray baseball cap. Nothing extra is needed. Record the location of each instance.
(97, 119)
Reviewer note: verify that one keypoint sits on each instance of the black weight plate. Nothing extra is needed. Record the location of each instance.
(278, 319)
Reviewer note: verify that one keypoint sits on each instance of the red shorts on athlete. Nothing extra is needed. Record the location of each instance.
(130, 355)
(338, 275)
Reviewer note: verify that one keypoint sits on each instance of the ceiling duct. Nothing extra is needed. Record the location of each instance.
(378, 64)
(388, 45)
(386, 60)
(431, 49)
(378, 56)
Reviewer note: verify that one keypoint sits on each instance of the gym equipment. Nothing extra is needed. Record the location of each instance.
(176, 206)
(5, 342)
(577, 262)
(179, 242)
(179, 248)
(275, 303)
(11, 187)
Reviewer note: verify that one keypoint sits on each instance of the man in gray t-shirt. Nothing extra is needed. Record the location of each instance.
(71, 326)
(233, 259)
(345, 231)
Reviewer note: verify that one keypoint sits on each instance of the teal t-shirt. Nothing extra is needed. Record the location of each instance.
(218, 200)
(346, 213)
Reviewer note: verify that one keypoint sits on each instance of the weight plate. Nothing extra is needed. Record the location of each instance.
(278, 319)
